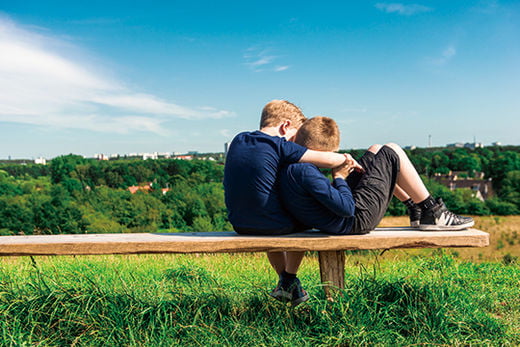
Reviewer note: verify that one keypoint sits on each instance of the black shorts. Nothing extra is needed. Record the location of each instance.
(373, 189)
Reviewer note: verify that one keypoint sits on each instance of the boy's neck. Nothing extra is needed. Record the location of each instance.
(272, 131)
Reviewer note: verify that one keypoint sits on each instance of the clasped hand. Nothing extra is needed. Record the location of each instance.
(349, 165)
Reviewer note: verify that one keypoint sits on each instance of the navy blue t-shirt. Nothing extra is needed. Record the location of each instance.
(251, 180)
(310, 198)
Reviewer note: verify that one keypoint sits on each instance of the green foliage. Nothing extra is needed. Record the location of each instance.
(80, 195)
(77, 195)
(61, 167)
(504, 208)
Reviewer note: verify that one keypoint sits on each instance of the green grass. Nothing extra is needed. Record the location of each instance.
(222, 300)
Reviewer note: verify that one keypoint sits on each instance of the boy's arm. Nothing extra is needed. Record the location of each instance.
(337, 197)
(327, 160)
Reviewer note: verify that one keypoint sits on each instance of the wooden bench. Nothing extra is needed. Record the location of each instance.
(330, 248)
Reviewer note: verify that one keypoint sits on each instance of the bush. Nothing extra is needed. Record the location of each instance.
(504, 208)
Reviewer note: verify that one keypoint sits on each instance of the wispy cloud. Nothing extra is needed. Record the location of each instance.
(262, 59)
(226, 133)
(447, 54)
(42, 85)
(402, 9)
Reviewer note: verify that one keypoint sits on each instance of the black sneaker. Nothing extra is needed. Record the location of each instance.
(294, 293)
(298, 294)
(280, 294)
(438, 218)
(415, 215)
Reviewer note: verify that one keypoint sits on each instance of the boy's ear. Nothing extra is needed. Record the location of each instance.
(284, 126)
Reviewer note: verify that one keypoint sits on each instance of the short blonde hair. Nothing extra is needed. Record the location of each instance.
(278, 111)
(319, 133)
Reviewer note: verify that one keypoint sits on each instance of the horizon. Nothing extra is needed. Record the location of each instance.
(172, 155)
(113, 78)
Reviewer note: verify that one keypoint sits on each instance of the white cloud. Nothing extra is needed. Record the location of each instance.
(281, 68)
(405, 10)
(226, 133)
(447, 54)
(41, 84)
(261, 59)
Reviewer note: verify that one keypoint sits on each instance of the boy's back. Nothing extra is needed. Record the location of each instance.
(251, 184)
(312, 200)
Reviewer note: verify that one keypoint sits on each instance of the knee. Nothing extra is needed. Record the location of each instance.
(394, 146)
(374, 148)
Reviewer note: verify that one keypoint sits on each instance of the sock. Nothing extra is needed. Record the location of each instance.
(409, 203)
(287, 278)
(427, 203)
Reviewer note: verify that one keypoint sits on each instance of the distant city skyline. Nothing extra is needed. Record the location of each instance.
(113, 77)
(168, 154)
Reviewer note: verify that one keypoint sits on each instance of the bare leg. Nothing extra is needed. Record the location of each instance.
(278, 261)
(409, 180)
(288, 261)
(400, 193)
(293, 261)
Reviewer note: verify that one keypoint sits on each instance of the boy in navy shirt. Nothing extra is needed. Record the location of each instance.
(252, 190)
(357, 205)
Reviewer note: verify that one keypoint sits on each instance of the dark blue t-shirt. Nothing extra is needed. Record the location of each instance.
(250, 180)
(310, 198)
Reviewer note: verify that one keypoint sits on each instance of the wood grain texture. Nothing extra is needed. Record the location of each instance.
(332, 271)
(230, 242)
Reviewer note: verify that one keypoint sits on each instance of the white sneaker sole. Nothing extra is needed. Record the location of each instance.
(298, 301)
(281, 295)
(433, 227)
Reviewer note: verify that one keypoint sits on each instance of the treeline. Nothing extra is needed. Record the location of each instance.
(501, 164)
(77, 195)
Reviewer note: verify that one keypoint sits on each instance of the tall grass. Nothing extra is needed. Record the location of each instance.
(222, 300)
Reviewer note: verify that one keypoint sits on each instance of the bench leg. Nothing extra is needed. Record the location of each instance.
(332, 271)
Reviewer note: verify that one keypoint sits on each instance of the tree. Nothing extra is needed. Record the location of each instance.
(62, 166)
(510, 190)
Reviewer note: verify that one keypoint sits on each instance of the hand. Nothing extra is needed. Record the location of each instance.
(349, 165)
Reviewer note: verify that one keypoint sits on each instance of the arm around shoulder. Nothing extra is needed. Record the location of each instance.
(326, 160)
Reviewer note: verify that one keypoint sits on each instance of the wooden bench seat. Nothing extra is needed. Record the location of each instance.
(329, 247)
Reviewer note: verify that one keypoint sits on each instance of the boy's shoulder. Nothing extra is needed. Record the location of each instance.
(302, 170)
(257, 134)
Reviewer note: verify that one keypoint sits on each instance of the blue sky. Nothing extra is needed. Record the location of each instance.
(124, 76)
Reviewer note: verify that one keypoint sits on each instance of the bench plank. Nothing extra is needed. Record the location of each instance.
(230, 242)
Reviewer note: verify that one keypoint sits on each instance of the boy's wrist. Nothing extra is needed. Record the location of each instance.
(339, 175)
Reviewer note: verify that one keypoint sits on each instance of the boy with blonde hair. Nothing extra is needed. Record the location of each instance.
(252, 190)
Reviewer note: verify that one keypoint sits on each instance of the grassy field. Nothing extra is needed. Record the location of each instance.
(397, 298)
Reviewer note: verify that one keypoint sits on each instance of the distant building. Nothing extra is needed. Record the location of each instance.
(135, 189)
(473, 145)
(411, 148)
(152, 156)
(482, 188)
(226, 148)
(41, 161)
(101, 156)
(455, 145)
(496, 143)
(183, 157)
